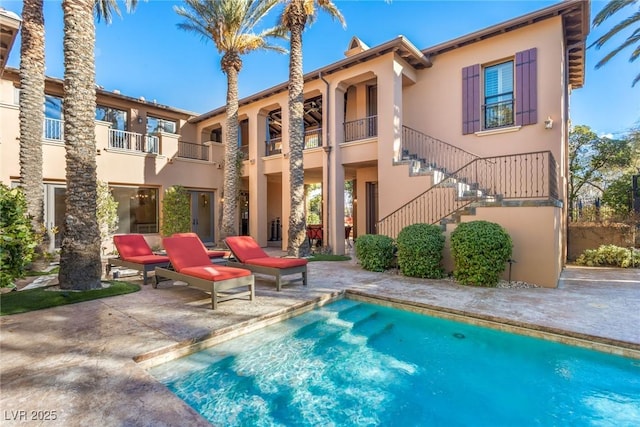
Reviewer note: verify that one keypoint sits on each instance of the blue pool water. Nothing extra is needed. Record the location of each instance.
(350, 363)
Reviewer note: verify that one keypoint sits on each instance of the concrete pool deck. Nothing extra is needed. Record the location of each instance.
(75, 363)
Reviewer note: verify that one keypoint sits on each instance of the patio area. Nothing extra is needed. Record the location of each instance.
(77, 363)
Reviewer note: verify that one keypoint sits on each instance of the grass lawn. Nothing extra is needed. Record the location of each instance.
(329, 257)
(37, 299)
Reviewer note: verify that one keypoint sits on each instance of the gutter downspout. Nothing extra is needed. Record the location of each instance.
(327, 149)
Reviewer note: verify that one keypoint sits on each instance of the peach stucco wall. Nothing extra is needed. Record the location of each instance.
(535, 235)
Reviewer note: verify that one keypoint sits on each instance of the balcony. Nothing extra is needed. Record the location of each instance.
(190, 150)
(53, 130)
(312, 139)
(274, 146)
(133, 142)
(361, 129)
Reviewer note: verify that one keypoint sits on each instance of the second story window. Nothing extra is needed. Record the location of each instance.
(156, 125)
(501, 94)
(117, 118)
(498, 95)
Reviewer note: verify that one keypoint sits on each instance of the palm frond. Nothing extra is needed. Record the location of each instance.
(633, 19)
(104, 9)
(614, 52)
(229, 23)
(330, 8)
(611, 8)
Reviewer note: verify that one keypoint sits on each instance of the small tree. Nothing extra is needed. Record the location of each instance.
(480, 252)
(107, 212)
(17, 238)
(176, 211)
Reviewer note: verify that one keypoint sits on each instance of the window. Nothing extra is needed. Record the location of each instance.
(156, 124)
(137, 209)
(509, 95)
(53, 126)
(498, 95)
(117, 118)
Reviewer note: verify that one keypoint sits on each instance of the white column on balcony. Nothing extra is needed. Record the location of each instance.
(258, 226)
(333, 171)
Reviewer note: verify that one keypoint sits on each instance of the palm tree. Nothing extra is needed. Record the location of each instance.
(80, 263)
(230, 25)
(634, 38)
(295, 16)
(32, 119)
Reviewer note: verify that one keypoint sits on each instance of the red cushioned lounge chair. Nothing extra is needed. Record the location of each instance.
(248, 254)
(136, 254)
(192, 265)
(216, 256)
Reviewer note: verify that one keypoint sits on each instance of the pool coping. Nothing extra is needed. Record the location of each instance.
(174, 351)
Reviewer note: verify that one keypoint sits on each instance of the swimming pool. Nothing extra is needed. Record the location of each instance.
(354, 363)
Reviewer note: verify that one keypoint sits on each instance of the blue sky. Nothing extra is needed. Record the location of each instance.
(145, 54)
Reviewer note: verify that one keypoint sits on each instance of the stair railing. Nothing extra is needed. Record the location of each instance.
(438, 154)
(514, 176)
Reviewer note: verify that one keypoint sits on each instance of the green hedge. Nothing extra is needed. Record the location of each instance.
(17, 239)
(374, 252)
(480, 252)
(610, 255)
(176, 211)
(420, 249)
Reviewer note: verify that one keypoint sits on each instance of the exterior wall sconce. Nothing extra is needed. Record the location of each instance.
(548, 124)
(252, 161)
(139, 120)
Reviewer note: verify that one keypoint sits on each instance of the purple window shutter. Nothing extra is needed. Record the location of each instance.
(471, 99)
(527, 87)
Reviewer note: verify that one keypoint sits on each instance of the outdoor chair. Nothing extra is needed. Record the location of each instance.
(135, 253)
(246, 253)
(191, 264)
(214, 255)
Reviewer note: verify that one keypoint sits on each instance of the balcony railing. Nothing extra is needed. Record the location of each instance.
(190, 150)
(131, 141)
(498, 114)
(274, 146)
(313, 138)
(361, 129)
(53, 130)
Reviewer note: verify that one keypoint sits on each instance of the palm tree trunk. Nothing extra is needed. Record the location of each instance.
(297, 243)
(231, 65)
(80, 266)
(31, 121)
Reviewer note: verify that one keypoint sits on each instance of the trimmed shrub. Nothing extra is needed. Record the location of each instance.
(176, 211)
(420, 249)
(480, 252)
(610, 255)
(374, 252)
(17, 238)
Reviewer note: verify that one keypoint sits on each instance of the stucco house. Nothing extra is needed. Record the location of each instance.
(474, 128)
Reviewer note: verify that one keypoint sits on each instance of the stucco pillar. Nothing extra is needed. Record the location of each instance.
(333, 171)
(257, 179)
(389, 128)
(286, 178)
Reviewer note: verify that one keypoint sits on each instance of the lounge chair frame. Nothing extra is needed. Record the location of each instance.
(143, 268)
(272, 271)
(216, 288)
